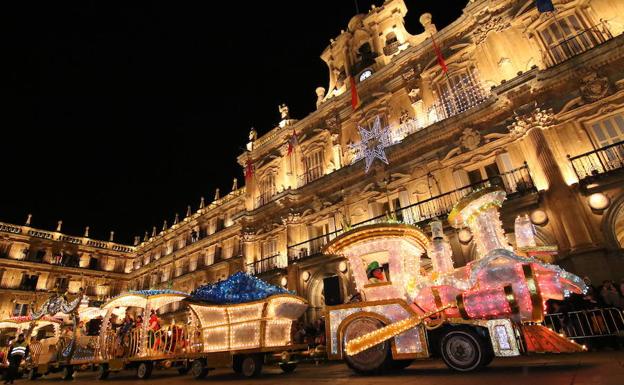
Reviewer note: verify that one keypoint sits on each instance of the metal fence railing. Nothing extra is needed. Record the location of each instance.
(587, 323)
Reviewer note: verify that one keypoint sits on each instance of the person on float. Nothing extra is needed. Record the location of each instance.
(375, 273)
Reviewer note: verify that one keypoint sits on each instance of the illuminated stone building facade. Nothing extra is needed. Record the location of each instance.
(532, 102)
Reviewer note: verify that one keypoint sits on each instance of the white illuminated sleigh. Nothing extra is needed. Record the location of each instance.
(247, 335)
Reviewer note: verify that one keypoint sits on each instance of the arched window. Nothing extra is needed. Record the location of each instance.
(313, 163)
(458, 92)
(267, 188)
(392, 44)
(568, 36)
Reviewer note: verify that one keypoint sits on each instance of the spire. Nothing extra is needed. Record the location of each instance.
(112, 236)
(59, 225)
(235, 184)
(176, 219)
(154, 231)
(188, 211)
(201, 203)
(86, 233)
(216, 198)
(28, 220)
(145, 236)
(164, 225)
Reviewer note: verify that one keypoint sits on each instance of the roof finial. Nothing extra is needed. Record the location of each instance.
(176, 219)
(216, 198)
(59, 225)
(201, 203)
(112, 236)
(145, 236)
(136, 240)
(164, 225)
(153, 231)
(28, 219)
(188, 211)
(235, 184)
(86, 233)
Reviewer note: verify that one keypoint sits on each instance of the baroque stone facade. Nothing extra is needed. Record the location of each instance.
(530, 102)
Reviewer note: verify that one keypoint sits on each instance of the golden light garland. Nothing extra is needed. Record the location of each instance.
(367, 341)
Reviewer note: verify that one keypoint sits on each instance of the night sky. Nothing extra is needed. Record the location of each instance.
(117, 115)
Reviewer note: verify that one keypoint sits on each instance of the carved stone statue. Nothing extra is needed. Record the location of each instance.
(320, 95)
(253, 136)
(283, 110)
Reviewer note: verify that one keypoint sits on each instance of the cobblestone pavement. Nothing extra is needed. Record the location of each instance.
(595, 368)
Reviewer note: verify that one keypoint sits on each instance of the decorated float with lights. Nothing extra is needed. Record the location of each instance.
(46, 328)
(490, 307)
(63, 351)
(246, 323)
(138, 347)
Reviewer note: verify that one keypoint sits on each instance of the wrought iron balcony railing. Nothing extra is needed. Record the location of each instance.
(515, 182)
(264, 265)
(578, 43)
(597, 162)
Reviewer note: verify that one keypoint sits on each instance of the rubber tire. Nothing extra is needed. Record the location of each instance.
(468, 339)
(382, 352)
(32, 374)
(400, 364)
(67, 373)
(144, 370)
(288, 368)
(199, 369)
(102, 372)
(251, 365)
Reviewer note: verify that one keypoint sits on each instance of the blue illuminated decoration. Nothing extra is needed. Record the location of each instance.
(238, 288)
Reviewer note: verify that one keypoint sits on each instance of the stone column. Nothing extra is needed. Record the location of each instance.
(560, 201)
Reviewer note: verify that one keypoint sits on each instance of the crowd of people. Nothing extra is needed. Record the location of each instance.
(587, 317)
(312, 334)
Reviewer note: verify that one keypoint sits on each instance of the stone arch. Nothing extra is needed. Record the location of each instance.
(613, 224)
(315, 290)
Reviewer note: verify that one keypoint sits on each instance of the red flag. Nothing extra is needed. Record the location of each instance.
(292, 142)
(438, 53)
(355, 98)
(249, 169)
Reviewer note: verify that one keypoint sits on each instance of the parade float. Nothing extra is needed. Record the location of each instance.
(491, 307)
(72, 347)
(246, 323)
(139, 347)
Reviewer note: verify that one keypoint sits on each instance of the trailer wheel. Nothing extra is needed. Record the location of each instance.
(67, 373)
(372, 360)
(288, 368)
(32, 374)
(464, 350)
(199, 369)
(251, 365)
(144, 370)
(102, 372)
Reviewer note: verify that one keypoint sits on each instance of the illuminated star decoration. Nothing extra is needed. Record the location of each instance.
(373, 144)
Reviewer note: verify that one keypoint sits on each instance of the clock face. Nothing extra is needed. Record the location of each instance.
(365, 74)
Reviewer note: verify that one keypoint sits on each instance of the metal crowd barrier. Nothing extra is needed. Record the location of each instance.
(587, 323)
